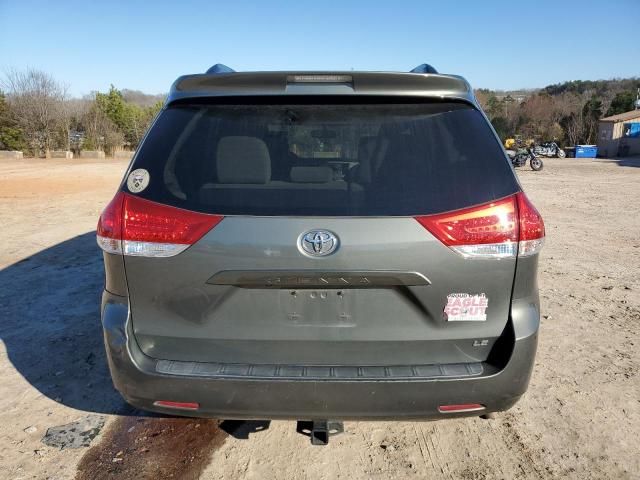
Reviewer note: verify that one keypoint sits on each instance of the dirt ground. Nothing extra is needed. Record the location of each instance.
(580, 418)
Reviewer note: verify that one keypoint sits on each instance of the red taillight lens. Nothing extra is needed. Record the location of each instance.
(147, 221)
(503, 228)
(531, 227)
(490, 229)
(109, 230)
(110, 222)
(531, 224)
(150, 229)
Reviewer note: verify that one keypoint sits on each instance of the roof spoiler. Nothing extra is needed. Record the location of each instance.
(220, 68)
(424, 68)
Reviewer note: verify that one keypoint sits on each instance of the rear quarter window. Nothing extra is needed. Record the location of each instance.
(387, 159)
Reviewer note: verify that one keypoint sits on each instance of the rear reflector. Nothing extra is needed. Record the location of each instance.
(491, 230)
(177, 405)
(465, 407)
(133, 226)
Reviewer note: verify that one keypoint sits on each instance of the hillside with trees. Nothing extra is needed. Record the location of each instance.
(566, 112)
(38, 115)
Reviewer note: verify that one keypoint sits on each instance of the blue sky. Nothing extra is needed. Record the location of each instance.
(146, 45)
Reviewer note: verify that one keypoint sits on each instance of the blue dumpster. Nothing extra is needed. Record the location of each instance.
(586, 151)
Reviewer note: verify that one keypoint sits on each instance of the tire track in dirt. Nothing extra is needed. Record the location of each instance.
(516, 439)
(439, 458)
(152, 448)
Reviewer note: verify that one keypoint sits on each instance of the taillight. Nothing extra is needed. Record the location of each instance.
(531, 227)
(109, 230)
(133, 226)
(489, 230)
(498, 229)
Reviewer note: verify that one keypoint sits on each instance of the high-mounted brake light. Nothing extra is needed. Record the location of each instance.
(319, 78)
(500, 229)
(133, 226)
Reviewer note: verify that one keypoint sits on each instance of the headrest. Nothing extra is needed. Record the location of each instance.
(311, 174)
(243, 159)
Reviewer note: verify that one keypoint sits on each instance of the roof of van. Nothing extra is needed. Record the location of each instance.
(221, 81)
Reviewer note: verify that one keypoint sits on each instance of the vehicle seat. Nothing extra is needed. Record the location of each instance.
(400, 177)
(243, 164)
(243, 160)
(366, 149)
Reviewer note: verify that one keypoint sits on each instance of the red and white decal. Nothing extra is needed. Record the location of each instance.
(464, 307)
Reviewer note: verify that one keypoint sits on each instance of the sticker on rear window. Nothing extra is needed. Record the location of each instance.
(464, 307)
(138, 180)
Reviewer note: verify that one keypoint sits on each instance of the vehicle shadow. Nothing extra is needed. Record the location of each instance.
(50, 326)
(623, 161)
(629, 162)
(241, 429)
(50, 310)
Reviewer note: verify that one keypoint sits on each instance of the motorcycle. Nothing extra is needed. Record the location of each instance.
(520, 157)
(549, 149)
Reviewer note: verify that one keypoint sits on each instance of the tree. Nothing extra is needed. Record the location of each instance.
(482, 94)
(36, 99)
(591, 113)
(494, 106)
(113, 107)
(141, 99)
(100, 133)
(554, 132)
(569, 107)
(11, 137)
(507, 102)
(131, 120)
(622, 102)
(502, 128)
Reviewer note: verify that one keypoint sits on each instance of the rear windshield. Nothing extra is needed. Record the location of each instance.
(324, 160)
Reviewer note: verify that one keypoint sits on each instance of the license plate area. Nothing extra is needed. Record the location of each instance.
(319, 307)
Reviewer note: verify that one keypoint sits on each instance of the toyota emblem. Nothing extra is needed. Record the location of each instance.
(318, 243)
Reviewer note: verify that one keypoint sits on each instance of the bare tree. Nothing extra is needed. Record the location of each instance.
(573, 120)
(37, 99)
(73, 112)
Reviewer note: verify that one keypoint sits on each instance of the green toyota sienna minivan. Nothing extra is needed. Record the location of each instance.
(321, 246)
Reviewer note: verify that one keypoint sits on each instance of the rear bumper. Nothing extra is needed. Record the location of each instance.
(136, 377)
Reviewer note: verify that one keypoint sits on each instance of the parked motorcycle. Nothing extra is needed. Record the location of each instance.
(521, 156)
(549, 149)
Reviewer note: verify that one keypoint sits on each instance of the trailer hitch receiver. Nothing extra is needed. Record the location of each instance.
(319, 431)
